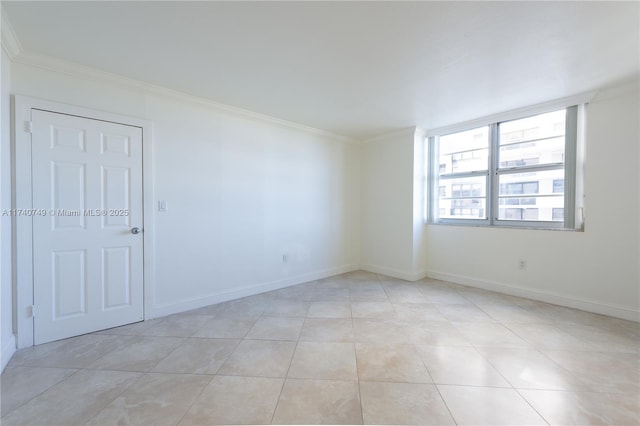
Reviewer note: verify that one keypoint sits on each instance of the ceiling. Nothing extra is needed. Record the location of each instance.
(357, 69)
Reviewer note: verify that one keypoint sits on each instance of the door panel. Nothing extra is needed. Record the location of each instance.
(116, 193)
(69, 283)
(68, 194)
(87, 175)
(116, 277)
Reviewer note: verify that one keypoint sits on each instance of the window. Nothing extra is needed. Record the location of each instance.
(558, 185)
(516, 172)
(558, 214)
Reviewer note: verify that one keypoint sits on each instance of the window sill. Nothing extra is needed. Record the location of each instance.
(479, 225)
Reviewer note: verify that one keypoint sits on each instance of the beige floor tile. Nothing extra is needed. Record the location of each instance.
(309, 285)
(479, 296)
(446, 299)
(242, 309)
(411, 295)
(293, 293)
(276, 328)
(435, 333)
(197, 356)
(488, 406)
(396, 285)
(380, 331)
(379, 310)
(74, 401)
(373, 293)
(548, 336)
(602, 339)
(235, 400)
(531, 369)
(364, 285)
(178, 326)
(418, 312)
(318, 402)
(585, 408)
(327, 330)
(154, 400)
(460, 365)
(286, 308)
(464, 313)
(443, 296)
(490, 334)
(333, 282)
(324, 360)
(140, 354)
(573, 367)
(403, 404)
(20, 384)
(329, 310)
(433, 283)
(608, 372)
(562, 315)
(261, 358)
(617, 326)
(331, 295)
(512, 313)
(224, 328)
(390, 363)
(363, 276)
(76, 352)
(135, 329)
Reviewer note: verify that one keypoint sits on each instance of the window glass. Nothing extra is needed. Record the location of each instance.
(464, 151)
(533, 140)
(464, 198)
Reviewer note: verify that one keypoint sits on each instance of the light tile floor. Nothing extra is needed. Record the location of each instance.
(352, 349)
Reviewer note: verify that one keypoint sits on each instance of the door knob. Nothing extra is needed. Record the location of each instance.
(135, 230)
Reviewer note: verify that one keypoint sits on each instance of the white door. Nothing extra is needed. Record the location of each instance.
(87, 199)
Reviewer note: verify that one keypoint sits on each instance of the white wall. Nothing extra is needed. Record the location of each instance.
(392, 218)
(6, 313)
(596, 270)
(241, 192)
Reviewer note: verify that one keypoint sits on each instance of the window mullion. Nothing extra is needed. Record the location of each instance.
(492, 177)
(434, 178)
(477, 173)
(526, 169)
(571, 130)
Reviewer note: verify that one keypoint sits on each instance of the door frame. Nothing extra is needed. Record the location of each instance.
(23, 285)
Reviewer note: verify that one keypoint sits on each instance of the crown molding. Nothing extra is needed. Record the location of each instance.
(84, 72)
(10, 42)
(407, 131)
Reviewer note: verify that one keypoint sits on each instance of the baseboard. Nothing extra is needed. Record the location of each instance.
(8, 349)
(251, 290)
(616, 311)
(395, 273)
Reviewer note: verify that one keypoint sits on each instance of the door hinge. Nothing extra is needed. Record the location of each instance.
(28, 126)
(32, 310)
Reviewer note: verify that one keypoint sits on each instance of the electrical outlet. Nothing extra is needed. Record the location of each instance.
(522, 264)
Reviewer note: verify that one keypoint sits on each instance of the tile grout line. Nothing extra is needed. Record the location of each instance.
(355, 352)
(286, 374)
(77, 370)
(435, 385)
(196, 398)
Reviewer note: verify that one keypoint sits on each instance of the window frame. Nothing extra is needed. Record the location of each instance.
(573, 154)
